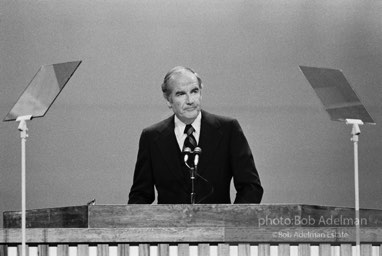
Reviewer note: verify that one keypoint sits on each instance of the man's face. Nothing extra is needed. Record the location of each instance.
(185, 97)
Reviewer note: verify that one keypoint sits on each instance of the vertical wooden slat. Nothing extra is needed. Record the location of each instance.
(43, 250)
(19, 250)
(244, 249)
(62, 250)
(102, 250)
(204, 249)
(304, 249)
(11, 250)
(183, 250)
(144, 250)
(123, 250)
(223, 249)
(380, 250)
(83, 250)
(3, 250)
(163, 249)
(345, 249)
(366, 250)
(336, 250)
(375, 250)
(324, 250)
(283, 250)
(264, 250)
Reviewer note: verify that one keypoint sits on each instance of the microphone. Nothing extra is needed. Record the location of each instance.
(197, 152)
(186, 151)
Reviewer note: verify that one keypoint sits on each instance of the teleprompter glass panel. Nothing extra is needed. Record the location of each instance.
(336, 94)
(42, 90)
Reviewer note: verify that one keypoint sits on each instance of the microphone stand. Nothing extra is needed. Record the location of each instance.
(193, 171)
(192, 176)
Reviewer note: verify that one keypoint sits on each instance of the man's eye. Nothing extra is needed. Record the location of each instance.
(195, 91)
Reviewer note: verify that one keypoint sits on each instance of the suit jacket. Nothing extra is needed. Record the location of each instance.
(225, 155)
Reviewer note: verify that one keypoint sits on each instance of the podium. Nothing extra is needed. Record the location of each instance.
(121, 230)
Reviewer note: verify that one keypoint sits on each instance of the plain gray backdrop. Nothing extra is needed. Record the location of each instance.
(247, 53)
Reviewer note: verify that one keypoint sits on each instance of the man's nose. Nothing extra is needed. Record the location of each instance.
(189, 99)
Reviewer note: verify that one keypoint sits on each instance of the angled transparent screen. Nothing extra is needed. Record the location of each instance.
(336, 94)
(42, 90)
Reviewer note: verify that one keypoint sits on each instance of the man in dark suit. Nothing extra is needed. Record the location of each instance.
(225, 152)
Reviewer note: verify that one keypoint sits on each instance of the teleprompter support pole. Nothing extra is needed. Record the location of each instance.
(23, 135)
(355, 133)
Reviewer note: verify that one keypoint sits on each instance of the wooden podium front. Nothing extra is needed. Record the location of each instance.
(121, 230)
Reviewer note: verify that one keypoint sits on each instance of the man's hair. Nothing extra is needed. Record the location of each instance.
(177, 70)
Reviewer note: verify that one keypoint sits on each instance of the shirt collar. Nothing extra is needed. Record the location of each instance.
(179, 125)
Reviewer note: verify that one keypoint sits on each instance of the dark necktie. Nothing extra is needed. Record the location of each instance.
(190, 141)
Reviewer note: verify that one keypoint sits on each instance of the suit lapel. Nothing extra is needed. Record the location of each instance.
(210, 137)
(169, 149)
